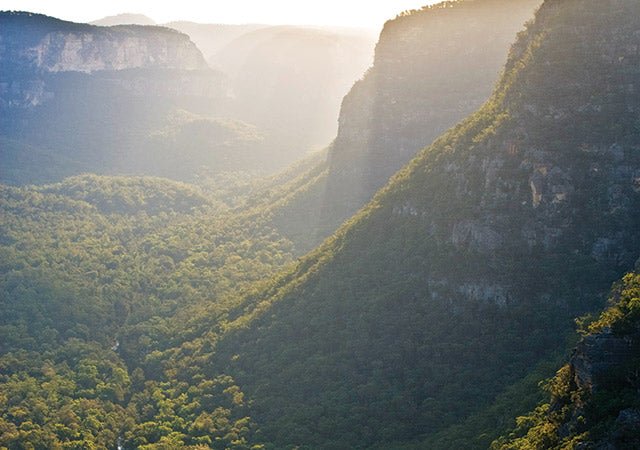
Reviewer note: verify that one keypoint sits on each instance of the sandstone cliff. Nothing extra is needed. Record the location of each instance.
(53, 45)
(432, 68)
(35, 48)
(77, 97)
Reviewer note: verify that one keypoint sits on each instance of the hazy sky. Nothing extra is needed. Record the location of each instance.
(357, 13)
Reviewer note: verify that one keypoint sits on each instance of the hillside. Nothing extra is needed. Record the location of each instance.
(432, 68)
(145, 313)
(594, 400)
(52, 45)
(468, 268)
(80, 98)
(141, 100)
(422, 82)
(101, 277)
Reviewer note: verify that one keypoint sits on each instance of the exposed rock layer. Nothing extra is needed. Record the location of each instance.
(52, 45)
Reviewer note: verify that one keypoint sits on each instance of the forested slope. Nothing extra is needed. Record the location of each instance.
(102, 279)
(155, 314)
(468, 268)
(594, 401)
(432, 68)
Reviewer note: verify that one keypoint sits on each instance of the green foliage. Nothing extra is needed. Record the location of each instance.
(131, 195)
(104, 283)
(178, 414)
(467, 268)
(168, 316)
(623, 316)
(68, 397)
(576, 417)
(433, 68)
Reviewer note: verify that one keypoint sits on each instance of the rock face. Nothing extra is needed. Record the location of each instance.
(80, 98)
(594, 402)
(432, 68)
(123, 47)
(51, 45)
(34, 48)
(48, 65)
(598, 358)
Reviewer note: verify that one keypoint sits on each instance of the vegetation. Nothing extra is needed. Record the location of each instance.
(468, 267)
(578, 416)
(146, 313)
(100, 278)
(173, 117)
(452, 53)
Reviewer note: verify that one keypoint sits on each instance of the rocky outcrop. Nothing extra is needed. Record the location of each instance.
(594, 398)
(36, 52)
(51, 45)
(598, 359)
(80, 98)
(115, 49)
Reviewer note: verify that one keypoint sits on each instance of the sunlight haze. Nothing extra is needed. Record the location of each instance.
(326, 225)
(348, 13)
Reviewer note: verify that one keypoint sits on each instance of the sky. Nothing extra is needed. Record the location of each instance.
(348, 13)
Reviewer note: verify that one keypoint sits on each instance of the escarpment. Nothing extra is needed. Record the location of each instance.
(469, 266)
(52, 45)
(432, 68)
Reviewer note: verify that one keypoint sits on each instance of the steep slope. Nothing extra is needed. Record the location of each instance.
(52, 45)
(432, 68)
(594, 399)
(288, 81)
(468, 268)
(80, 98)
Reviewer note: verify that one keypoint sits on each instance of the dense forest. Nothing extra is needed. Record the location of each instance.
(139, 312)
(426, 307)
(94, 266)
(101, 277)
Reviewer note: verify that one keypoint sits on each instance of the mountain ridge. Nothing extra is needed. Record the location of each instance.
(534, 175)
(137, 312)
(452, 53)
(121, 88)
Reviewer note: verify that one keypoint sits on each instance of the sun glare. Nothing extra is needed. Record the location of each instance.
(350, 13)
